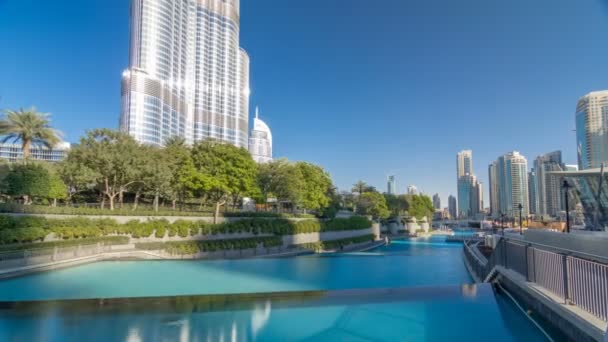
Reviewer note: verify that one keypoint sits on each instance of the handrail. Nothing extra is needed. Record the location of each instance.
(588, 256)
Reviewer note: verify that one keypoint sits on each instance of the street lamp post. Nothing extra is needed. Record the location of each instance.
(521, 229)
(502, 223)
(566, 188)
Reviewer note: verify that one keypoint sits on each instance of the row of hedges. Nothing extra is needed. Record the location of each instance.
(107, 240)
(27, 229)
(194, 247)
(336, 244)
(16, 208)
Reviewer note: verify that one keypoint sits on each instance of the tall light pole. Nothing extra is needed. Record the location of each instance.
(566, 188)
(502, 223)
(521, 229)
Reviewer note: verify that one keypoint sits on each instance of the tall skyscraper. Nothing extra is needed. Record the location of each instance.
(260, 141)
(464, 163)
(494, 190)
(436, 201)
(512, 170)
(592, 130)
(187, 75)
(548, 187)
(532, 188)
(452, 207)
(470, 196)
(392, 185)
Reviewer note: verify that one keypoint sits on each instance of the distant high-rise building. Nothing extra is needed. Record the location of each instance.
(260, 141)
(532, 186)
(436, 201)
(464, 163)
(14, 152)
(187, 75)
(494, 188)
(412, 190)
(512, 170)
(548, 187)
(452, 207)
(392, 185)
(592, 130)
(470, 196)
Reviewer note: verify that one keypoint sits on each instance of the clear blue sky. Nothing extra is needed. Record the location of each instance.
(364, 88)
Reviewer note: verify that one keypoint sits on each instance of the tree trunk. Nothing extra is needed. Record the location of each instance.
(111, 198)
(156, 202)
(174, 204)
(26, 150)
(121, 196)
(136, 200)
(54, 202)
(216, 214)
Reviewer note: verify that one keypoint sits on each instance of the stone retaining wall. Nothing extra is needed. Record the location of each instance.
(299, 239)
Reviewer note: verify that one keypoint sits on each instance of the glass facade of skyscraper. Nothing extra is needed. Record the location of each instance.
(592, 130)
(187, 75)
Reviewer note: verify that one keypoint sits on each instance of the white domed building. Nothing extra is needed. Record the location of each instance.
(260, 140)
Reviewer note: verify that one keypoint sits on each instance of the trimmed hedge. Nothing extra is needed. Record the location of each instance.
(16, 208)
(108, 240)
(28, 229)
(194, 247)
(336, 244)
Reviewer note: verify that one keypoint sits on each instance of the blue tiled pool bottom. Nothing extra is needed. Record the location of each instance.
(404, 263)
(455, 313)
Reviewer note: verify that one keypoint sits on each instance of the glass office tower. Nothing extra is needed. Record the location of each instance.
(592, 130)
(187, 75)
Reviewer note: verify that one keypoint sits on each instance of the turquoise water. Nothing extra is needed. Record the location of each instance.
(411, 290)
(453, 313)
(404, 263)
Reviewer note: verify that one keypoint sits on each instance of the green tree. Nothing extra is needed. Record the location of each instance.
(223, 170)
(75, 174)
(115, 158)
(57, 189)
(157, 174)
(360, 187)
(28, 181)
(181, 166)
(282, 180)
(29, 127)
(419, 206)
(317, 186)
(374, 204)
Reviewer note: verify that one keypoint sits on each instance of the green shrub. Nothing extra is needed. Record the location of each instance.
(108, 240)
(194, 247)
(336, 244)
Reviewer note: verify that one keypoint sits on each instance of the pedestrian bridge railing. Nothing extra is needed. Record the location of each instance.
(576, 278)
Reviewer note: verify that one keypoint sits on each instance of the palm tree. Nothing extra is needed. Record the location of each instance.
(360, 187)
(29, 127)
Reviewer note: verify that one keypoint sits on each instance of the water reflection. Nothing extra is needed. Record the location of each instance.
(430, 314)
(260, 317)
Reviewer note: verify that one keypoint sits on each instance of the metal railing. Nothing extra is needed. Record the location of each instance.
(16, 259)
(580, 280)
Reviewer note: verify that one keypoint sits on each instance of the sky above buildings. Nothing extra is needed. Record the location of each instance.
(364, 88)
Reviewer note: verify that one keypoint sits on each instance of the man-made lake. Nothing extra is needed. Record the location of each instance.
(427, 300)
